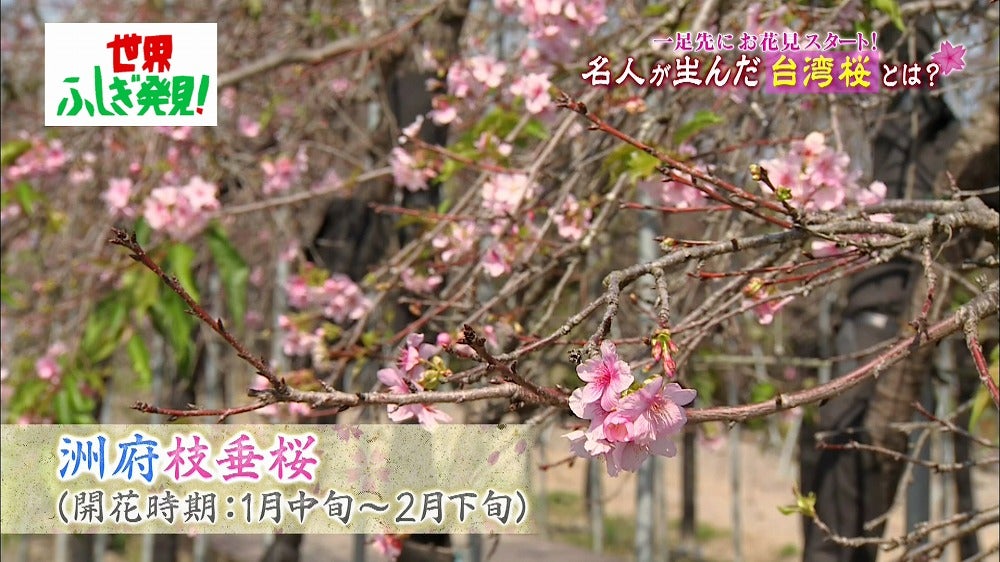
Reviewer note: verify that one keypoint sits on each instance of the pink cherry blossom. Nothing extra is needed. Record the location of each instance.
(342, 299)
(414, 355)
(663, 352)
(159, 205)
(181, 212)
(820, 178)
(558, 26)
(117, 196)
(406, 172)
(443, 110)
(388, 545)
(340, 86)
(456, 242)
(298, 409)
(443, 339)
(80, 176)
(48, 369)
(504, 193)
(248, 127)
(423, 283)
(45, 157)
(330, 182)
(297, 343)
(874, 195)
(297, 291)
(766, 310)
(201, 194)
(459, 80)
(427, 415)
(656, 409)
(412, 130)
(281, 174)
(487, 70)
(534, 88)
(606, 376)
(572, 220)
(179, 134)
(488, 143)
(497, 260)
(227, 98)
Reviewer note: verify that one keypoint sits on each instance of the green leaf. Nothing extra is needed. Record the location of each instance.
(616, 163)
(891, 9)
(143, 288)
(642, 165)
(234, 272)
(449, 169)
(655, 10)
(172, 321)
(702, 119)
(180, 260)
(535, 129)
(762, 391)
(143, 232)
(27, 395)
(370, 339)
(27, 197)
(255, 8)
(11, 151)
(139, 355)
(62, 409)
(804, 505)
(632, 161)
(104, 328)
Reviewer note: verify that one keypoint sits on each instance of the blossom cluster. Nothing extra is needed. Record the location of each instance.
(765, 309)
(409, 172)
(627, 424)
(49, 366)
(572, 219)
(334, 298)
(417, 369)
(812, 177)
(179, 211)
(819, 178)
(558, 27)
(41, 159)
(284, 172)
(467, 80)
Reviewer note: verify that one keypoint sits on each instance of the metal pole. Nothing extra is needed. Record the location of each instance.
(735, 480)
(644, 512)
(595, 507)
(646, 484)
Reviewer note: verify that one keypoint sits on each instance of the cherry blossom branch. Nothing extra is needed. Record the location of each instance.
(344, 400)
(972, 341)
(174, 414)
(508, 369)
(952, 427)
(983, 306)
(341, 47)
(565, 101)
(964, 523)
(128, 241)
(897, 456)
(266, 204)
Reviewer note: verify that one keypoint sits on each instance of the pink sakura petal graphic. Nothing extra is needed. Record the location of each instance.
(493, 458)
(521, 446)
(949, 58)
